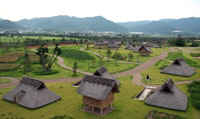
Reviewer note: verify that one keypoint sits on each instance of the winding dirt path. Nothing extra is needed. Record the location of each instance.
(136, 72)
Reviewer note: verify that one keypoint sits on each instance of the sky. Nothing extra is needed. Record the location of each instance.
(114, 10)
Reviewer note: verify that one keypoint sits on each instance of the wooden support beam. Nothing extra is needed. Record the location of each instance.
(92, 109)
(101, 111)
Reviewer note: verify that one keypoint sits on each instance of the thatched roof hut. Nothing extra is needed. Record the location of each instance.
(98, 93)
(143, 50)
(179, 67)
(102, 72)
(31, 93)
(113, 45)
(130, 47)
(168, 96)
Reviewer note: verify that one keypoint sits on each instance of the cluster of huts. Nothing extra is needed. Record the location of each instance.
(98, 90)
(143, 49)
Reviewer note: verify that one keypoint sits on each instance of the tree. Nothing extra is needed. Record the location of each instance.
(27, 62)
(108, 53)
(130, 56)
(75, 68)
(100, 61)
(180, 42)
(45, 61)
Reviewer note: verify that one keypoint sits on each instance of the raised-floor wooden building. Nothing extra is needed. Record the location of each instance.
(98, 94)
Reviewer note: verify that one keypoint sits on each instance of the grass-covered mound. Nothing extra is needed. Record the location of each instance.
(158, 78)
(8, 66)
(194, 89)
(76, 54)
(125, 106)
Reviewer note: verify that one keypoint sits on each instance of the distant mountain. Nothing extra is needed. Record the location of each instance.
(66, 23)
(1, 19)
(133, 23)
(9, 25)
(165, 26)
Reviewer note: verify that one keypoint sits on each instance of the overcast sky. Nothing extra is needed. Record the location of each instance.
(115, 10)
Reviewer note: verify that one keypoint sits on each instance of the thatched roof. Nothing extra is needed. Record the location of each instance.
(130, 47)
(113, 45)
(179, 67)
(168, 96)
(138, 49)
(102, 72)
(31, 93)
(97, 87)
(100, 42)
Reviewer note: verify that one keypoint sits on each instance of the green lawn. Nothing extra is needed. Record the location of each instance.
(89, 62)
(158, 78)
(4, 81)
(37, 69)
(187, 57)
(156, 52)
(125, 106)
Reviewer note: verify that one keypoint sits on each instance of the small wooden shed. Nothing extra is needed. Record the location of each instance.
(98, 94)
(31, 93)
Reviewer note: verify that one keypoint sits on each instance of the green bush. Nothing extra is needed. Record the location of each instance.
(194, 89)
(76, 54)
(41, 72)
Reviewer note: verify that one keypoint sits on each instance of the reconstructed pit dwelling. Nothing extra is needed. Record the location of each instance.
(31, 93)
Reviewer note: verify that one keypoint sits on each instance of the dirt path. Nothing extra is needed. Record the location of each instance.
(13, 82)
(136, 72)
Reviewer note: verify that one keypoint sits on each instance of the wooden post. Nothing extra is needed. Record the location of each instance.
(111, 105)
(92, 109)
(84, 106)
(101, 110)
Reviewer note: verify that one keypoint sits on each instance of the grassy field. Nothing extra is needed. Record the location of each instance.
(23, 38)
(156, 52)
(125, 106)
(4, 81)
(158, 78)
(89, 62)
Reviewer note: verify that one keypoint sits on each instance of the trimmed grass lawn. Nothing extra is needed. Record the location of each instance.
(156, 52)
(4, 81)
(89, 62)
(125, 106)
(187, 57)
(158, 78)
(36, 69)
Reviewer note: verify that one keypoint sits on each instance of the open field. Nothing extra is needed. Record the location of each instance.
(125, 106)
(158, 78)
(23, 38)
(156, 52)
